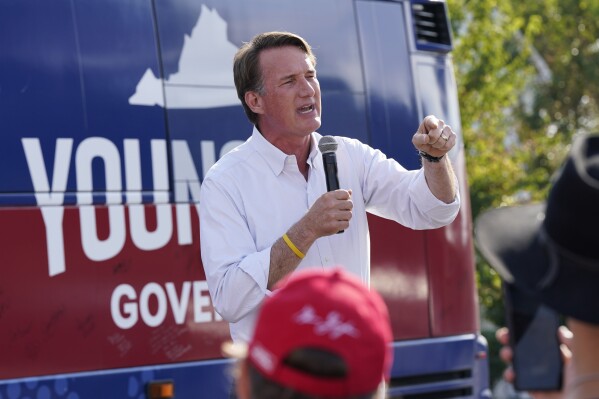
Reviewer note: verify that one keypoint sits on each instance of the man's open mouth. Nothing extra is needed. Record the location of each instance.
(306, 109)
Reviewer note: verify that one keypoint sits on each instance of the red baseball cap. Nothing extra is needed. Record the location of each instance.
(331, 311)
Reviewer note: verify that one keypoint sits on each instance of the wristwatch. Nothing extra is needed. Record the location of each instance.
(429, 157)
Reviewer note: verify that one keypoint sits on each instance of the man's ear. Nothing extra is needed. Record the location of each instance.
(242, 385)
(254, 101)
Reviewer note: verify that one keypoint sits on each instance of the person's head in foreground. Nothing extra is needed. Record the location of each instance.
(322, 334)
(551, 250)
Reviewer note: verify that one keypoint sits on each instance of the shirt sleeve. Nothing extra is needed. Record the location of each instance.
(236, 272)
(392, 192)
(434, 212)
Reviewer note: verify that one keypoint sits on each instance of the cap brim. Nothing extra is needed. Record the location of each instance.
(509, 238)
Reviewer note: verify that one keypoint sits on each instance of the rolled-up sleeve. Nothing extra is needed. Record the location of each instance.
(433, 212)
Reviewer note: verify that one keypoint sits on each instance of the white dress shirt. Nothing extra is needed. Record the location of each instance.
(255, 193)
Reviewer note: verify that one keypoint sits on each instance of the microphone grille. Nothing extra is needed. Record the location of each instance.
(327, 144)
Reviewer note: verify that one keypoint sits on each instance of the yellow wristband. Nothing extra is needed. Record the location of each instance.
(293, 247)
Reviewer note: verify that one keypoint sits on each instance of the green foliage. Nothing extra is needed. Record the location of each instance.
(567, 40)
(526, 74)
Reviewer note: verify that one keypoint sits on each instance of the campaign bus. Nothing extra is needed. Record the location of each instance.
(112, 112)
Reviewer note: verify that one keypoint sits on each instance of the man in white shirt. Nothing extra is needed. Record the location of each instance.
(264, 207)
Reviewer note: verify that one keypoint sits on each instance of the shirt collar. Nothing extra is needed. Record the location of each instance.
(315, 137)
(276, 158)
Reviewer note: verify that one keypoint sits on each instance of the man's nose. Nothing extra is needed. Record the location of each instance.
(307, 89)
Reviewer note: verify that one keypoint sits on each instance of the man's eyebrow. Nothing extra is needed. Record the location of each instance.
(294, 75)
(287, 77)
(290, 76)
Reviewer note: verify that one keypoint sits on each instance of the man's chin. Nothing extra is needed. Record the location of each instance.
(317, 123)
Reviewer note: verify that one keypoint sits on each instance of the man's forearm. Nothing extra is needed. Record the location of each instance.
(440, 179)
(283, 258)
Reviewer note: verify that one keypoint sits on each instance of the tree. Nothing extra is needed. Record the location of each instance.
(567, 38)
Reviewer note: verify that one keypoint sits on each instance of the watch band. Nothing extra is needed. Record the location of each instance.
(429, 157)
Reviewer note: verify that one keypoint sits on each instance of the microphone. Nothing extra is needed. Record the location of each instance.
(328, 146)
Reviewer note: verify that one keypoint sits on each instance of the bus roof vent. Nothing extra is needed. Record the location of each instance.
(431, 26)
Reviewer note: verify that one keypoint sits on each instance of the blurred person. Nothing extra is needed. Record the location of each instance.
(551, 251)
(264, 207)
(322, 334)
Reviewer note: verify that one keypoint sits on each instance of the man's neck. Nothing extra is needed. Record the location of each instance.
(292, 145)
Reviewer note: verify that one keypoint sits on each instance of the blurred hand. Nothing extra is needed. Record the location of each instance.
(506, 355)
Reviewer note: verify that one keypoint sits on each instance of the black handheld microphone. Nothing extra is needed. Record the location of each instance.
(328, 146)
